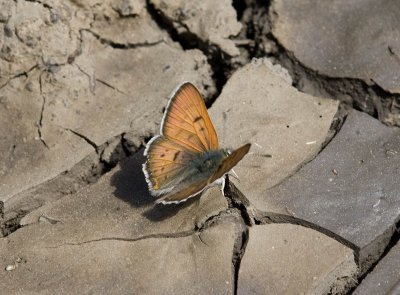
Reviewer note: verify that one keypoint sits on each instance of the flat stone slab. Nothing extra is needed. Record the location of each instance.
(72, 99)
(204, 20)
(352, 39)
(259, 105)
(291, 259)
(124, 23)
(351, 189)
(385, 277)
(110, 237)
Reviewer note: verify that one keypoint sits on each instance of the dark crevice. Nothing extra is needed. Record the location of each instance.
(108, 159)
(256, 25)
(22, 74)
(394, 240)
(12, 222)
(127, 147)
(119, 153)
(242, 238)
(351, 92)
(368, 97)
(240, 7)
(252, 216)
(338, 120)
(271, 217)
(221, 64)
(85, 138)
(237, 201)
(365, 266)
(1, 209)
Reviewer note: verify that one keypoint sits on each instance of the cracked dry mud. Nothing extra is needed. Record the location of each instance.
(83, 85)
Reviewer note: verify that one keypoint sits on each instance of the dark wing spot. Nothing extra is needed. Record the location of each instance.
(162, 155)
(162, 169)
(176, 155)
(197, 119)
(201, 129)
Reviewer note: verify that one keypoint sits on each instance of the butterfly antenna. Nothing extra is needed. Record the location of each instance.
(233, 174)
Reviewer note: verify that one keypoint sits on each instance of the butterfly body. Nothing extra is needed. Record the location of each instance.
(185, 158)
(209, 161)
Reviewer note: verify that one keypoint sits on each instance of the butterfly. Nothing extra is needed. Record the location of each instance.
(186, 158)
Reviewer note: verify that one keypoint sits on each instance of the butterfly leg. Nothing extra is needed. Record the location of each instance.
(218, 182)
(233, 174)
(223, 179)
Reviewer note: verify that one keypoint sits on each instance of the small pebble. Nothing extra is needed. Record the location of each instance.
(11, 267)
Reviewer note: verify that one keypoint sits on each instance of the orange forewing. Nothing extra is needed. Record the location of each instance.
(230, 162)
(186, 121)
(165, 160)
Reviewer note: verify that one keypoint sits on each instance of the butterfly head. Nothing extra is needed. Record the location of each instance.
(227, 151)
(210, 160)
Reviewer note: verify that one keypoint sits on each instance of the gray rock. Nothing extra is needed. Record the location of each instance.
(259, 105)
(64, 109)
(126, 23)
(110, 238)
(213, 22)
(350, 190)
(291, 259)
(353, 39)
(385, 277)
(26, 160)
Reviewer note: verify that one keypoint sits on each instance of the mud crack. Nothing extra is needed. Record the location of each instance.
(221, 64)
(18, 75)
(85, 138)
(12, 222)
(223, 216)
(257, 19)
(40, 121)
(121, 239)
(117, 45)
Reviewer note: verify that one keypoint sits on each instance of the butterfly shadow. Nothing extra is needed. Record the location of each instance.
(131, 187)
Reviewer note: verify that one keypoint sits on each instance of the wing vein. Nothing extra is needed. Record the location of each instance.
(201, 116)
(181, 127)
(186, 143)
